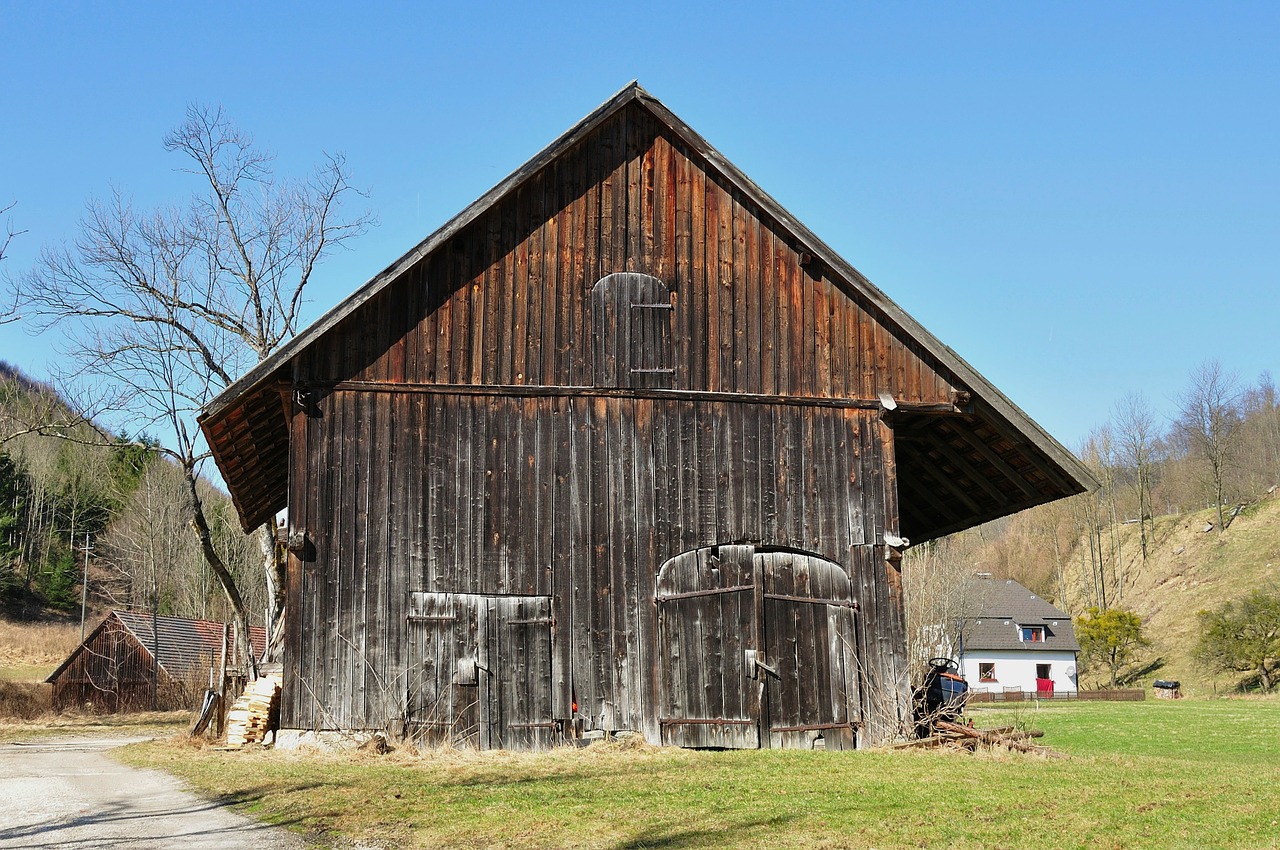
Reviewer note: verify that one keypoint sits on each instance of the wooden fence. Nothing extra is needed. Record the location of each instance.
(1019, 695)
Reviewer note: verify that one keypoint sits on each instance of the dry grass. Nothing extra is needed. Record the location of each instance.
(23, 700)
(48, 724)
(29, 652)
(1190, 570)
(36, 644)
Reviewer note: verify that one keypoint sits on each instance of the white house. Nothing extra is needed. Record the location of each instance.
(1013, 639)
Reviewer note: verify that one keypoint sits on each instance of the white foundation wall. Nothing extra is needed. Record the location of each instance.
(1016, 669)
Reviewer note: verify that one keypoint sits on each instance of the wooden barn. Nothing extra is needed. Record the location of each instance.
(132, 662)
(622, 446)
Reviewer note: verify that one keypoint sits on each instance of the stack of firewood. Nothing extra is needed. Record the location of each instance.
(250, 714)
(955, 734)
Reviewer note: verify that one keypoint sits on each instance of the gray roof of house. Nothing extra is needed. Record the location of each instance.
(999, 606)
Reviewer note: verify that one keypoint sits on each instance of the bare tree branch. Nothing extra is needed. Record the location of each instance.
(8, 313)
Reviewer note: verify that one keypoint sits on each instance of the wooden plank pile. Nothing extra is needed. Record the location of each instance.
(251, 713)
(957, 735)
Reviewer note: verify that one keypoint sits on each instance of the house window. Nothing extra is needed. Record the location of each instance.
(632, 319)
(1042, 671)
(1033, 634)
(987, 671)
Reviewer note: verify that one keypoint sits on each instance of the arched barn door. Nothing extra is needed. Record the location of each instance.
(706, 624)
(811, 684)
(756, 649)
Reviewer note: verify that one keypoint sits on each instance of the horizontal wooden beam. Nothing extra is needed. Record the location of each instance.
(543, 391)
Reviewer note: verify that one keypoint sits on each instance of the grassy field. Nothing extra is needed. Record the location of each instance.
(1154, 774)
(29, 652)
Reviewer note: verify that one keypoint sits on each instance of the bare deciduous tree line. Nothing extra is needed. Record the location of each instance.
(121, 494)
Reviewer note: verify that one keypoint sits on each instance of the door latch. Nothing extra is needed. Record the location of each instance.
(755, 663)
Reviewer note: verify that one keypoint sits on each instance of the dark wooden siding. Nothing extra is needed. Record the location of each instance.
(577, 499)
(507, 301)
(492, 426)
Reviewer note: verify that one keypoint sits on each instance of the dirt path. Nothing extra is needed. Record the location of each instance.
(66, 793)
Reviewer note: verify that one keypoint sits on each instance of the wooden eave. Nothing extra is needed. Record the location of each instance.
(247, 424)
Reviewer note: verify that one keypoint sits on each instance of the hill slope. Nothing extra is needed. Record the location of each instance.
(1190, 570)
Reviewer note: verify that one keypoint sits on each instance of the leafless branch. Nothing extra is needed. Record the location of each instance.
(161, 310)
(8, 313)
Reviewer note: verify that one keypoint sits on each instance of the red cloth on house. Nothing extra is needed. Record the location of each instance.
(1044, 685)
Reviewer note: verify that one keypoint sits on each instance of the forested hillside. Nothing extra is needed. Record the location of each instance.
(65, 483)
(1186, 518)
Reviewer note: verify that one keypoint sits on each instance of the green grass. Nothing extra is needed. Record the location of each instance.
(25, 672)
(1154, 774)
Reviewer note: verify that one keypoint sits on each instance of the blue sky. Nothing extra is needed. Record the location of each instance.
(1081, 199)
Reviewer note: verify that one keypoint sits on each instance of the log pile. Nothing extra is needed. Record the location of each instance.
(954, 734)
(251, 714)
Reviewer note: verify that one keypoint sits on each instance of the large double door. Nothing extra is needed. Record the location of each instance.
(756, 648)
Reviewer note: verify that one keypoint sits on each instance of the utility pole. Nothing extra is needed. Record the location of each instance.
(84, 585)
(155, 639)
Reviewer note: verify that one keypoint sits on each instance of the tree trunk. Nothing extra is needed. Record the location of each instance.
(225, 578)
(276, 583)
(1218, 497)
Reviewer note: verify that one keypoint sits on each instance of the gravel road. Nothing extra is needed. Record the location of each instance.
(66, 793)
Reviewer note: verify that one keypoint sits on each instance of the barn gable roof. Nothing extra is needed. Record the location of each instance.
(247, 424)
(185, 646)
(999, 606)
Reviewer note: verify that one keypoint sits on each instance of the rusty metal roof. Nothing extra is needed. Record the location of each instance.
(185, 646)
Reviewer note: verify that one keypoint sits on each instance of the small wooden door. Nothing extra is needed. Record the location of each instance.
(516, 686)
(756, 649)
(442, 687)
(480, 670)
(631, 315)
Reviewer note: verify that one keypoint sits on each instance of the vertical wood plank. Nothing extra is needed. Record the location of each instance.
(726, 285)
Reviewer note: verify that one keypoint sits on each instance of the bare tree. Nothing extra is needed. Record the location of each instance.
(1137, 437)
(1096, 513)
(1260, 437)
(936, 580)
(151, 556)
(8, 313)
(1209, 421)
(162, 309)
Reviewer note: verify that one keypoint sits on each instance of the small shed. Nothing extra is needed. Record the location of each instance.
(1013, 640)
(116, 668)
